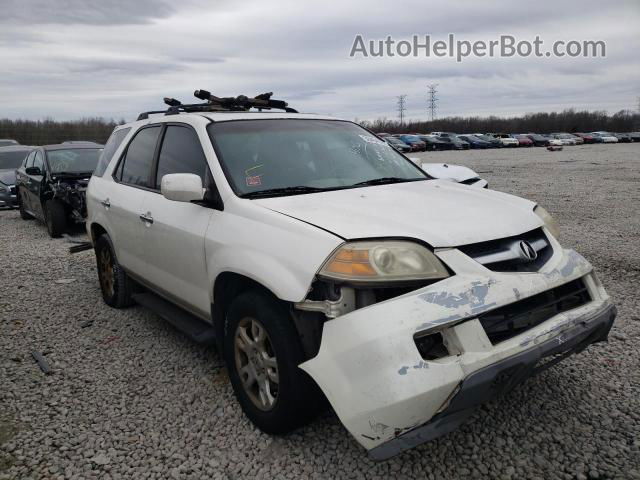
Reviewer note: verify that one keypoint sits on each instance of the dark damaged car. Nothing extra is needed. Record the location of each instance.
(52, 181)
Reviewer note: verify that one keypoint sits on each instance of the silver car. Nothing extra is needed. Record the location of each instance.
(10, 158)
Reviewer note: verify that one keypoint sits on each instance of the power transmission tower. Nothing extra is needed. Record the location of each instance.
(432, 101)
(402, 106)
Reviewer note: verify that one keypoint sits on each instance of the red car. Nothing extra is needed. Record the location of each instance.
(523, 141)
(588, 138)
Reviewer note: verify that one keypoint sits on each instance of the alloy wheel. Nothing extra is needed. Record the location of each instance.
(256, 363)
(107, 273)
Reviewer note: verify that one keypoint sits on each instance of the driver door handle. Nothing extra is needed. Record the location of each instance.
(146, 217)
(106, 203)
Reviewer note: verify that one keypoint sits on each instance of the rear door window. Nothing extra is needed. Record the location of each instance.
(114, 142)
(181, 152)
(135, 166)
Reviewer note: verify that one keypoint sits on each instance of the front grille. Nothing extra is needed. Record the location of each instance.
(506, 322)
(505, 255)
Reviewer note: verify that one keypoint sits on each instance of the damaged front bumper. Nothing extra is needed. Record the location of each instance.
(390, 398)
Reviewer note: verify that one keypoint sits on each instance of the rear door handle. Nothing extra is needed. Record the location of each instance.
(106, 203)
(146, 217)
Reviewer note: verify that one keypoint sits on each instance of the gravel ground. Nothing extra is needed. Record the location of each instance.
(130, 397)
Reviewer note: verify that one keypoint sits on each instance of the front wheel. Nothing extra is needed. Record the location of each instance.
(115, 284)
(262, 352)
(55, 218)
(23, 213)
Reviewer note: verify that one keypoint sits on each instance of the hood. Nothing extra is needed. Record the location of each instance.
(8, 177)
(444, 171)
(438, 212)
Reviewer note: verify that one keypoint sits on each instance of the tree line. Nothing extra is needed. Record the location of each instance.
(547, 122)
(49, 131)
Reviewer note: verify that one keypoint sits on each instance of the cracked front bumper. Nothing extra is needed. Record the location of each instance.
(390, 398)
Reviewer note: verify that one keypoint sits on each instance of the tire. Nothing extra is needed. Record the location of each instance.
(296, 398)
(115, 284)
(55, 218)
(23, 213)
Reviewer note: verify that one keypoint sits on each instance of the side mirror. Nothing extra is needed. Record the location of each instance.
(33, 171)
(182, 187)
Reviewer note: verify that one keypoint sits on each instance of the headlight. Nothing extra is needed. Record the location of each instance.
(548, 220)
(382, 261)
(3, 188)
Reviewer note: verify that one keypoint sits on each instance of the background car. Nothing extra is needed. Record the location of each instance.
(523, 140)
(553, 141)
(51, 184)
(493, 141)
(474, 142)
(565, 138)
(623, 137)
(453, 173)
(605, 136)
(7, 142)
(506, 139)
(588, 138)
(635, 136)
(538, 140)
(455, 142)
(434, 143)
(10, 158)
(414, 141)
(398, 144)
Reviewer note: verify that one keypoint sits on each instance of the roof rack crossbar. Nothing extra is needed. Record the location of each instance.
(241, 103)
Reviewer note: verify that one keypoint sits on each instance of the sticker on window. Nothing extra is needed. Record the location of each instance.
(372, 139)
(254, 181)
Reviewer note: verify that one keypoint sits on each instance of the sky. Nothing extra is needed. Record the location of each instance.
(69, 59)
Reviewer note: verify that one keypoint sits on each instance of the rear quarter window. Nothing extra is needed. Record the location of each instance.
(114, 142)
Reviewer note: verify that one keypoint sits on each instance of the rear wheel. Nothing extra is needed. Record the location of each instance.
(262, 352)
(55, 218)
(23, 213)
(115, 284)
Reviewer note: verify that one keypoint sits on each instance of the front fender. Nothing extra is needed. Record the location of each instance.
(281, 253)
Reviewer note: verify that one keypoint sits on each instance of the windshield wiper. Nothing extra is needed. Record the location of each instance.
(299, 189)
(385, 180)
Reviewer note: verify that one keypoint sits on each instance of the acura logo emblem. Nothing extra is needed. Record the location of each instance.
(527, 251)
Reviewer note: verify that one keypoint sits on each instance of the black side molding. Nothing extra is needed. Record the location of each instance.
(195, 328)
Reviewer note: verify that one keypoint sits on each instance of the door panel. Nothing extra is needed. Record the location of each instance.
(22, 183)
(34, 186)
(127, 230)
(175, 240)
(174, 251)
(132, 180)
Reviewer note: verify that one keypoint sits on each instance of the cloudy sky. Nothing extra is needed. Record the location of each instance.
(68, 59)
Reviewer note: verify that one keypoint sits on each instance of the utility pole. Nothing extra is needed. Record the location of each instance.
(432, 101)
(402, 106)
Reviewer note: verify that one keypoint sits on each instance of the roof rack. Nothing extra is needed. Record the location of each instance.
(241, 103)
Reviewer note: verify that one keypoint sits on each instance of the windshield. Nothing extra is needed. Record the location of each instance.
(73, 160)
(261, 155)
(11, 160)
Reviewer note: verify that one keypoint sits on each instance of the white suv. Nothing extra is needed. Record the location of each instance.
(322, 262)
